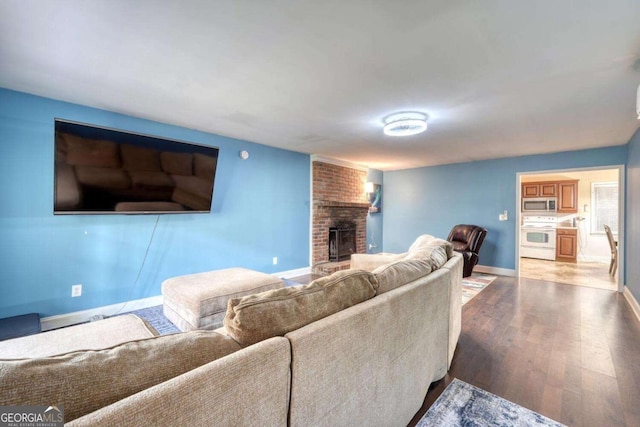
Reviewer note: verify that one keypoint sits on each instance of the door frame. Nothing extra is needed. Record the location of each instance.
(621, 213)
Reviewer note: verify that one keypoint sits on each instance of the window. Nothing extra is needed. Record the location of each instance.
(604, 206)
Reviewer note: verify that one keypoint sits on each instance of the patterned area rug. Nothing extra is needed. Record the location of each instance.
(156, 318)
(472, 285)
(462, 404)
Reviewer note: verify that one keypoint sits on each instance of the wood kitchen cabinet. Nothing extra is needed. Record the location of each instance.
(566, 244)
(568, 196)
(565, 191)
(539, 189)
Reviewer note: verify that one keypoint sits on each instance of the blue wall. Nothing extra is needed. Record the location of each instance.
(374, 221)
(632, 240)
(433, 199)
(260, 210)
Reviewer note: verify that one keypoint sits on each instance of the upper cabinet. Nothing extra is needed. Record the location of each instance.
(568, 196)
(540, 189)
(565, 191)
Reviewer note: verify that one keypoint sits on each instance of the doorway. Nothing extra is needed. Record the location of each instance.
(583, 253)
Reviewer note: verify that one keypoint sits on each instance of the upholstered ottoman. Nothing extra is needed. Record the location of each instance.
(199, 301)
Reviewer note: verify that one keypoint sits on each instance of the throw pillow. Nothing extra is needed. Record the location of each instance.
(254, 318)
(85, 381)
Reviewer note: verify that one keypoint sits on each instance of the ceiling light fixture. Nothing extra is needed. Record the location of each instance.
(405, 124)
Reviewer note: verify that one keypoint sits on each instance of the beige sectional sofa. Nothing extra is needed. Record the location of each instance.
(353, 348)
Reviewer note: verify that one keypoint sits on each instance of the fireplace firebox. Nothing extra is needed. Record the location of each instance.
(342, 241)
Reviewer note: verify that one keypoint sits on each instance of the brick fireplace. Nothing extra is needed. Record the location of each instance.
(338, 198)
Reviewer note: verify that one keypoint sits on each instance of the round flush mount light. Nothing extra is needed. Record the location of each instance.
(244, 154)
(405, 124)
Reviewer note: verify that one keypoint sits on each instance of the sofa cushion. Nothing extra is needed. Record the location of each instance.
(436, 254)
(96, 335)
(204, 166)
(401, 272)
(254, 318)
(194, 185)
(150, 179)
(136, 158)
(421, 241)
(91, 152)
(85, 381)
(427, 241)
(110, 178)
(177, 163)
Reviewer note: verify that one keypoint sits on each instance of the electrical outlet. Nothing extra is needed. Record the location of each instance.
(275, 260)
(76, 290)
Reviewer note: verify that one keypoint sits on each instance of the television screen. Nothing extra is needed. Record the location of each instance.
(100, 171)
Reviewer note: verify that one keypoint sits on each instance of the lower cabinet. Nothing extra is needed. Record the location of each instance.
(567, 245)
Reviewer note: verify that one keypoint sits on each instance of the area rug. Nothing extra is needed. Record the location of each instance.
(472, 285)
(462, 404)
(155, 317)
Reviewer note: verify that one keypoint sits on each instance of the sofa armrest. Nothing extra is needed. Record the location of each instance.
(370, 262)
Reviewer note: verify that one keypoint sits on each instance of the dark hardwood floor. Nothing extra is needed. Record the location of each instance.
(570, 353)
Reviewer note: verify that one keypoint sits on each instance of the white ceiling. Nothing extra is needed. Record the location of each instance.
(497, 78)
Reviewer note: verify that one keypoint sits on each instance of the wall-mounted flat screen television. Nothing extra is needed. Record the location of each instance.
(107, 171)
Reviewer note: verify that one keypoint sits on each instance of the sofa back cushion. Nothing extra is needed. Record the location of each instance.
(421, 241)
(90, 152)
(85, 381)
(254, 318)
(136, 158)
(436, 254)
(427, 241)
(177, 163)
(204, 166)
(401, 272)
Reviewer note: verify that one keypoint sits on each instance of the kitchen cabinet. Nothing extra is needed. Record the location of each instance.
(566, 244)
(566, 193)
(539, 189)
(568, 196)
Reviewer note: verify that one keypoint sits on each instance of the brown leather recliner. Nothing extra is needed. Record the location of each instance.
(467, 240)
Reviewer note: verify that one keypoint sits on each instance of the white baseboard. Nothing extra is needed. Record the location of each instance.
(632, 302)
(494, 270)
(68, 319)
(294, 273)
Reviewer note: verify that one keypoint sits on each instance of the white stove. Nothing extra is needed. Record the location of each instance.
(538, 237)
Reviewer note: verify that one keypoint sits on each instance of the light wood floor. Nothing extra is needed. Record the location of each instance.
(570, 353)
(591, 274)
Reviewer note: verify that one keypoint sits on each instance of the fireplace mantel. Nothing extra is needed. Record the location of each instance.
(336, 204)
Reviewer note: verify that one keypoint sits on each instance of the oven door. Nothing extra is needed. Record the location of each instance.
(538, 243)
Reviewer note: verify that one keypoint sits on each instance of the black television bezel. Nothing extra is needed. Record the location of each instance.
(197, 148)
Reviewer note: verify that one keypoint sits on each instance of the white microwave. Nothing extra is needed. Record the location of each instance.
(540, 205)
